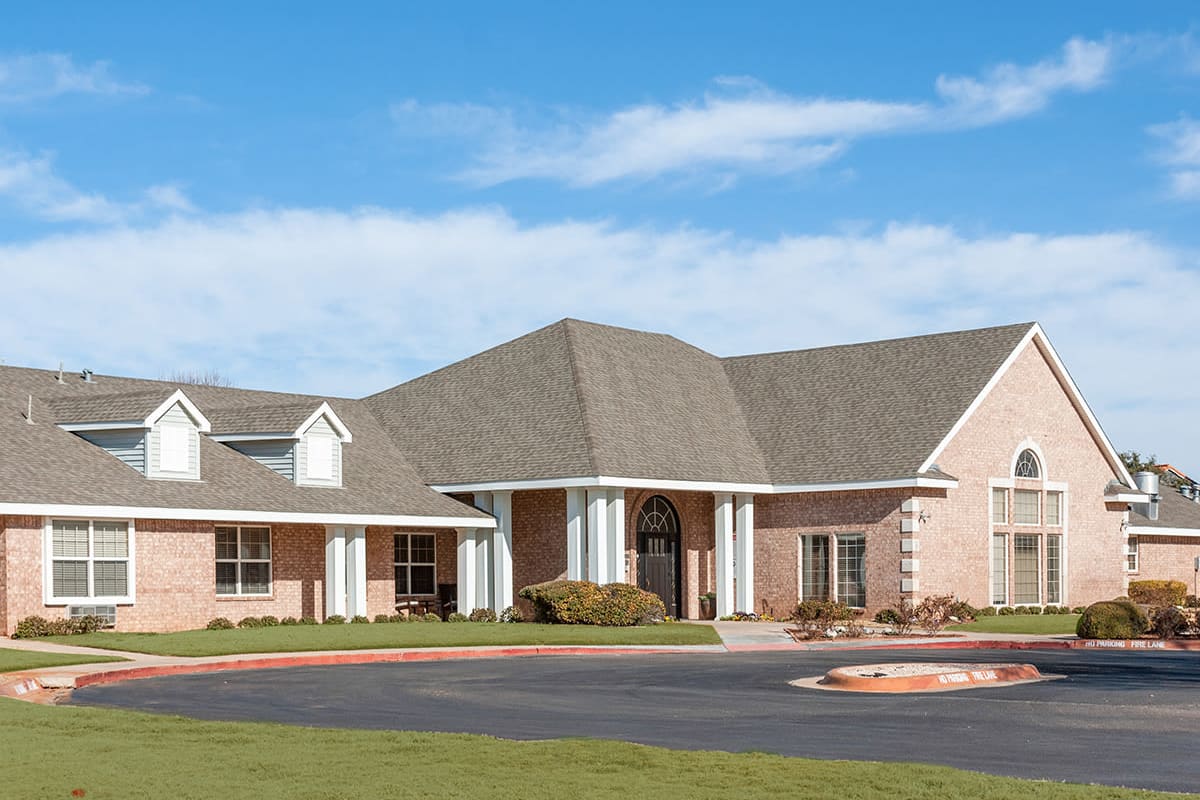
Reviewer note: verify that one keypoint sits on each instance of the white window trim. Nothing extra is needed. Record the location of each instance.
(835, 553)
(992, 504)
(48, 560)
(992, 568)
(1062, 573)
(327, 445)
(1041, 568)
(1135, 552)
(410, 563)
(175, 462)
(239, 561)
(1062, 503)
(801, 572)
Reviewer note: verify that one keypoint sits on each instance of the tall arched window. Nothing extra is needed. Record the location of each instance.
(1027, 465)
(657, 516)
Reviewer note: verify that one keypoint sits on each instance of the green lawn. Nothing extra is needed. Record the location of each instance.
(18, 660)
(1019, 623)
(294, 638)
(108, 754)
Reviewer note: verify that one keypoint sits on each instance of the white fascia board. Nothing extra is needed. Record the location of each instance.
(1127, 497)
(850, 486)
(116, 425)
(1060, 371)
(179, 397)
(1145, 530)
(335, 422)
(239, 515)
(691, 486)
(252, 437)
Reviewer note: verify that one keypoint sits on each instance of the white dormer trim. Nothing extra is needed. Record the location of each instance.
(1029, 444)
(335, 422)
(202, 423)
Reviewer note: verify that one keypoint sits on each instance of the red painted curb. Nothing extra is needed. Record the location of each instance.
(951, 678)
(135, 673)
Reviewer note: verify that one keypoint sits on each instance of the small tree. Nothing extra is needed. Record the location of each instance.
(1136, 462)
(934, 612)
(200, 377)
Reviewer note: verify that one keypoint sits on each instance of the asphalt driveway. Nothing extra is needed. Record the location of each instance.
(1117, 718)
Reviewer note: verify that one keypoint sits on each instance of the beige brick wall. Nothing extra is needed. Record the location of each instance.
(1027, 403)
(1169, 558)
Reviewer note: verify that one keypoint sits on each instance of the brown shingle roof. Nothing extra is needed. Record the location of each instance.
(267, 418)
(41, 463)
(118, 407)
(1174, 511)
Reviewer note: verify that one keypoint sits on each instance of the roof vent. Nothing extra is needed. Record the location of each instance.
(1147, 482)
(1185, 490)
(87, 376)
(60, 373)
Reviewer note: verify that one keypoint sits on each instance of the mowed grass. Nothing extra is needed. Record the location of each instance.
(18, 660)
(297, 638)
(106, 754)
(1022, 623)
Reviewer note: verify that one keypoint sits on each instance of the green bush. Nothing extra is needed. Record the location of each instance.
(397, 617)
(430, 617)
(220, 624)
(986, 611)
(586, 603)
(483, 615)
(964, 611)
(269, 621)
(1158, 593)
(335, 619)
(1078, 610)
(512, 614)
(382, 618)
(1006, 611)
(1191, 601)
(359, 619)
(817, 610)
(888, 616)
(309, 621)
(1026, 611)
(289, 621)
(32, 628)
(458, 617)
(1111, 619)
(250, 622)
(1168, 622)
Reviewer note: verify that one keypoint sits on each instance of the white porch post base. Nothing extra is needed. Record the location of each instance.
(745, 552)
(576, 544)
(335, 571)
(723, 519)
(356, 572)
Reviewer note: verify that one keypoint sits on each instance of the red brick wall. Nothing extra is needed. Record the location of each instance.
(3, 580)
(1170, 558)
(23, 560)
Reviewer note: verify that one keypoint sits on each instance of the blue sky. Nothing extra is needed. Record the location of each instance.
(335, 201)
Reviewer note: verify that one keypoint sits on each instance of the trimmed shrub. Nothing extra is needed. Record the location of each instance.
(1168, 622)
(1158, 593)
(220, 624)
(512, 614)
(1006, 611)
(289, 621)
(1026, 611)
(1078, 610)
(430, 617)
(458, 617)
(32, 628)
(335, 619)
(482, 615)
(1191, 601)
(250, 622)
(397, 617)
(308, 621)
(1056, 610)
(888, 616)
(818, 610)
(269, 621)
(359, 619)
(964, 611)
(1111, 619)
(381, 618)
(586, 603)
(934, 612)
(986, 611)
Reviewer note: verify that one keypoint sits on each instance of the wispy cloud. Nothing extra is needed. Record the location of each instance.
(231, 291)
(31, 184)
(37, 76)
(1180, 152)
(741, 126)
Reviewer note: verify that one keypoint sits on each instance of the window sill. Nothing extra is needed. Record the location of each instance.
(233, 598)
(55, 602)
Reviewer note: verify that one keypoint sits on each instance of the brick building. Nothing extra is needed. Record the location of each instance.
(963, 463)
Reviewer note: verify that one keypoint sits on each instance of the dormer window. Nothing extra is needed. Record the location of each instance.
(296, 441)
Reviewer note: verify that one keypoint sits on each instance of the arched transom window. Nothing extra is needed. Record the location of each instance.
(657, 516)
(1027, 465)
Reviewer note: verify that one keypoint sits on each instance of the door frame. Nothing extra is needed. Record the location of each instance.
(675, 543)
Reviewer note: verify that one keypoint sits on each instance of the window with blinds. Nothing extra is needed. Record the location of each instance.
(90, 560)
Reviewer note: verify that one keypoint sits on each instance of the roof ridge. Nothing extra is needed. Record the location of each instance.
(870, 342)
(584, 424)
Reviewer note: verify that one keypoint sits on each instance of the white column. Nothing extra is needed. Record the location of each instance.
(483, 557)
(466, 570)
(576, 503)
(356, 572)
(597, 535)
(745, 552)
(616, 536)
(335, 571)
(502, 564)
(723, 519)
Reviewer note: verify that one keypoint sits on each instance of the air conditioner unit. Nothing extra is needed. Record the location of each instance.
(106, 613)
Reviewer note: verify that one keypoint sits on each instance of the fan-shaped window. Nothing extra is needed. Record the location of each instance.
(1027, 465)
(657, 516)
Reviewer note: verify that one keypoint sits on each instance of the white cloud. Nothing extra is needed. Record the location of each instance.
(31, 184)
(741, 126)
(1180, 152)
(38, 76)
(349, 303)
